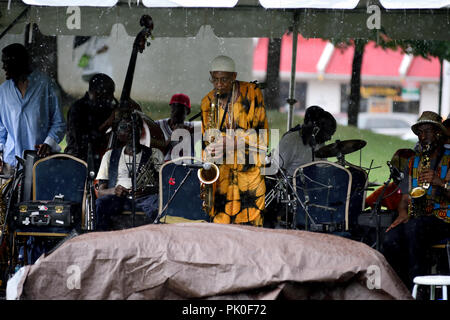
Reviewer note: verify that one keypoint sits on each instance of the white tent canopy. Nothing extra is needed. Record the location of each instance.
(65, 3)
(190, 3)
(263, 18)
(279, 4)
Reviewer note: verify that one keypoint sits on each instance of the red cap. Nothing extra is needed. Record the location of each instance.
(183, 99)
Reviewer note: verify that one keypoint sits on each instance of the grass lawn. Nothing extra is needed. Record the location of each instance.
(378, 150)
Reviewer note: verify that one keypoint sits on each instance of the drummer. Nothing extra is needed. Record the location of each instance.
(297, 146)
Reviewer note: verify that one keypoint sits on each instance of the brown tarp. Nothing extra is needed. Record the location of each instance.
(210, 261)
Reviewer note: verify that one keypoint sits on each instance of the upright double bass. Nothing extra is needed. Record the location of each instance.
(152, 135)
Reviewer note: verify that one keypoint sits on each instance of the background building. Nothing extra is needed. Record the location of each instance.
(391, 81)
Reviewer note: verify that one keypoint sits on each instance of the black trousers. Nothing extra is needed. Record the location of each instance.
(405, 247)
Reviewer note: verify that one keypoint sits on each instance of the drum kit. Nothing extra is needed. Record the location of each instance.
(321, 196)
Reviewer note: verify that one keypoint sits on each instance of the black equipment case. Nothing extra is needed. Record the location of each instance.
(368, 219)
(51, 213)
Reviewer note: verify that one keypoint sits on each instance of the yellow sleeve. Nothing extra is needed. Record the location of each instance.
(256, 135)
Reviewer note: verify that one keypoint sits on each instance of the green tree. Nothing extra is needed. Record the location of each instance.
(424, 48)
(355, 82)
(272, 90)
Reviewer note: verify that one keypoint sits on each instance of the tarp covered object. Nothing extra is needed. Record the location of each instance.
(210, 261)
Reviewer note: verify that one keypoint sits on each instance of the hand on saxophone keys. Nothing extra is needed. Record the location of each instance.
(214, 151)
(429, 177)
(217, 150)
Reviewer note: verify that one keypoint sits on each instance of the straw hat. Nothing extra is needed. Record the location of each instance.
(429, 117)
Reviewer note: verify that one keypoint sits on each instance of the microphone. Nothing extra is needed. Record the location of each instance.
(204, 165)
(395, 173)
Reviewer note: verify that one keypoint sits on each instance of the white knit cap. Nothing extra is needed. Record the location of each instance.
(223, 63)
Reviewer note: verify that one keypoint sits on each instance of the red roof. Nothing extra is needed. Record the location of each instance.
(376, 61)
(421, 67)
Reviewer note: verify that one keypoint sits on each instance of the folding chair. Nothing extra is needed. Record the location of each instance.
(58, 176)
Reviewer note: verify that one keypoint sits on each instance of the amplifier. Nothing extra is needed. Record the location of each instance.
(52, 213)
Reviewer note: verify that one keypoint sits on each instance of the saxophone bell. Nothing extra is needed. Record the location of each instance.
(418, 192)
(208, 175)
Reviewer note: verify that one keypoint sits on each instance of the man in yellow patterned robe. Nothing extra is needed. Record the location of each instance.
(239, 147)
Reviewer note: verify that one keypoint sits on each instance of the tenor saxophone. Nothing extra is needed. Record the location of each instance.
(418, 198)
(207, 177)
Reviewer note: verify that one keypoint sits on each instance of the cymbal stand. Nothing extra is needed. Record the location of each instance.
(304, 205)
(274, 192)
(341, 159)
(279, 193)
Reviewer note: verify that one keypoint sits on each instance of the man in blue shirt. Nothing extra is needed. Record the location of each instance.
(30, 112)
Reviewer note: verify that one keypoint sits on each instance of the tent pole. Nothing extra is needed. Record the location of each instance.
(14, 22)
(291, 100)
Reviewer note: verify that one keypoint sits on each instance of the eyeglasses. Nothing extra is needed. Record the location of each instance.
(222, 80)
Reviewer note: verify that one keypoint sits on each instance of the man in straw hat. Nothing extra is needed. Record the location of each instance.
(240, 139)
(422, 221)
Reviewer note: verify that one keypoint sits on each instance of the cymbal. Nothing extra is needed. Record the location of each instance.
(374, 184)
(340, 148)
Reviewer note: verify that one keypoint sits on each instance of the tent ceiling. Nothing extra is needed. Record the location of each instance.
(254, 20)
(60, 3)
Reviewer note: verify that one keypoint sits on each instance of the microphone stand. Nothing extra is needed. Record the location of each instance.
(158, 218)
(376, 212)
(133, 170)
(90, 188)
(313, 144)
